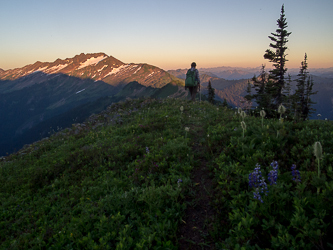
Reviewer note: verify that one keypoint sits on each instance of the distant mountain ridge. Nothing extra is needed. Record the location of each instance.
(237, 73)
(95, 66)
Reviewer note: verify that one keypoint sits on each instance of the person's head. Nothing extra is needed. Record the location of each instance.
(193, 65)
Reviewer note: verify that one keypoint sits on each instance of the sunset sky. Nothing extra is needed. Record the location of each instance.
(168, 34)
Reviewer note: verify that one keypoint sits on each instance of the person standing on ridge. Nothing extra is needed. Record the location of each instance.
(192, 81)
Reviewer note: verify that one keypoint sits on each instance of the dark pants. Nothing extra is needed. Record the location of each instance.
(193, 92)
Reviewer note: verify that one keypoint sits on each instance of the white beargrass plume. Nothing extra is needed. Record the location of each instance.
(318, 152)
(187, 129)
(262, 114)
(243, 115)
(281, 110)
(181, 109)
(243, 127)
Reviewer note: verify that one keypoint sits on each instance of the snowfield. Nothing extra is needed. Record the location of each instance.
(55, 68)
(91, 61)
(115, 71)
(137, 70)
(102, 68)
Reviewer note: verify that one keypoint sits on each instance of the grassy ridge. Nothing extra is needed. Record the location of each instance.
(122, 185)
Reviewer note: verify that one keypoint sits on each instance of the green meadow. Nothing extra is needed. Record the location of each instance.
(122, 180)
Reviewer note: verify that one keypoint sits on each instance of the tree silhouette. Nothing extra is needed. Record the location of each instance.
(278, 57)
(211, 93)
(303, 92)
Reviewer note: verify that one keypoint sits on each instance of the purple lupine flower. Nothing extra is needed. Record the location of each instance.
(254, 177)
(273, 174)
(295, 173)
(147, 150)
(263, 186)
(258, 182)
(179, 181)
(256, 195)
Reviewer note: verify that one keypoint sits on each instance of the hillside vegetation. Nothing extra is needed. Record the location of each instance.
(122, 180)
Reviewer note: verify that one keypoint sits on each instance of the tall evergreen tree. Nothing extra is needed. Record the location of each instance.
(211, 93)
(278, 57)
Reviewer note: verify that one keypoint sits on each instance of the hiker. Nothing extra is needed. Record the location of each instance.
(192, 81)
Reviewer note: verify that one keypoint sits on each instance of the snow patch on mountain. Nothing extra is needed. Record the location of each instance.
(80, 91)
(40, 69)
(92, 61)
(150, 74)
(115, 71)
(102, 68)
(137, 70)
(56, 68)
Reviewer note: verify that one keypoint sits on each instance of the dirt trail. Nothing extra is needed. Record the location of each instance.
(197, 222)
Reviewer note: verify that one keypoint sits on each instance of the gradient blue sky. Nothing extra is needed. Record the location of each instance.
(168, 34)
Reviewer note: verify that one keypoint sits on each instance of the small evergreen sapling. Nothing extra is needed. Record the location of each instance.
(211, 93)
(302, 100)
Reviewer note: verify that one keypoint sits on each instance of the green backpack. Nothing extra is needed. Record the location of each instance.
(191, 81)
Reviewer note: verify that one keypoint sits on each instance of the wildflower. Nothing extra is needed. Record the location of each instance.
(281, 109)
(295, 173)
(262, 113)
(187, 129)
(147, 150)
(319, 115)
(217, 109)
(243, 114)
(179, 181)
(181, 109)
(258, 182)
(243, 126)
(263, 186)
(254, 177)
(273, 174)
(208, 135)
(318, 150)
(256, 195)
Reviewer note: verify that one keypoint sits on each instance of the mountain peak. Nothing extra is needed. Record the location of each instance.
(94, 66)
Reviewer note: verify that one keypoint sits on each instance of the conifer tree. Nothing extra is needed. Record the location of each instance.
(309, 103)
(262, 96)
(248, 97)
(278, 57)
(302, 96)
(288, 97)
(224, 103)
(211, 93)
